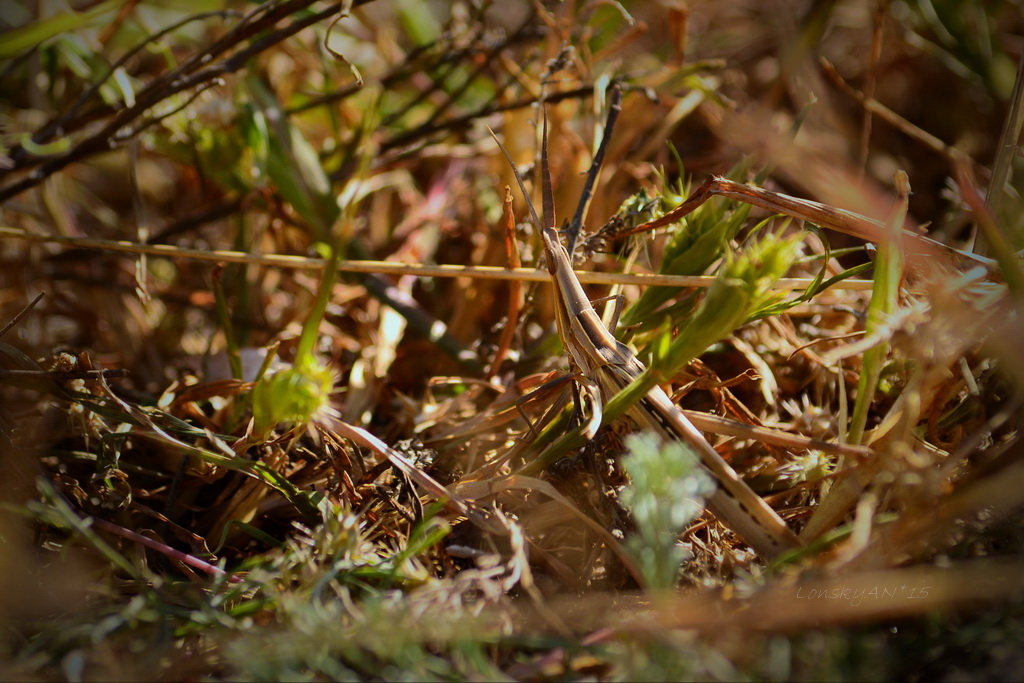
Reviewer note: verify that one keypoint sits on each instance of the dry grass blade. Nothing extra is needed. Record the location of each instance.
(478, 490)
(515, 290)
(288, 261)
(435, 490)
(21, 314)
(779, 437)
(917, 247)
(851, 598)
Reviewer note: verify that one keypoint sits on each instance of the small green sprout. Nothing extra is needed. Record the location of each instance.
(295, 395)
(665, 494)
(742, 288)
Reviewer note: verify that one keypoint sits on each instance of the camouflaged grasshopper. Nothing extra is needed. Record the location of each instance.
(606, 366)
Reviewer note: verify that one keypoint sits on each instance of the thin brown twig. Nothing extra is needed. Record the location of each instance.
(892, 118)
(64, 374)
(21, 158)
(483, 63)
(200, 218)
(996, 239)
(1008, 149)
(393, 268)
(239, 32)
(871, 80)
(458, 122)
(840, 220)
(149, 122)
(179, 80)
(515, 289)
(411, 66)
(21, 314)
(122, 15)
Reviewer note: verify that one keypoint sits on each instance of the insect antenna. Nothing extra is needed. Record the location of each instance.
(573, 230)
(519, 181)
(548, 197)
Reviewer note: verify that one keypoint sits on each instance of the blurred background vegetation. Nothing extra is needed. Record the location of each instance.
(179, 501)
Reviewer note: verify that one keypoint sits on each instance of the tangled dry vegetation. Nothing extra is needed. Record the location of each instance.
(258, 424)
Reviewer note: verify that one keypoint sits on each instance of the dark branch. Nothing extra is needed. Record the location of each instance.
(184, 78)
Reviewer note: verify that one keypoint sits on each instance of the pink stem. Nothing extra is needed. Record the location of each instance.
(163, 548)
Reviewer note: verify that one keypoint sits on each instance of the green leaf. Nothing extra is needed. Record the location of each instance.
(124, 84)
(294, 395)
(884, 302)
(58, 146)
(417, 21)
(23, 38)
(290, 162)
(696, 245)
(741, 288)
(665, 494)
